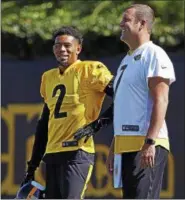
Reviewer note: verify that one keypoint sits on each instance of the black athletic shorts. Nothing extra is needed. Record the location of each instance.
(143, 183)
(67, 174)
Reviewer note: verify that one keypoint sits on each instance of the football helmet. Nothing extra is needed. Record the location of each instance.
(31, 190)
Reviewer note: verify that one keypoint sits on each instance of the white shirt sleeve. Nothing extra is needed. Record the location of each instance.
(158, 64)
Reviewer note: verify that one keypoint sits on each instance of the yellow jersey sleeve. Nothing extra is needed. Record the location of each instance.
(96, 76)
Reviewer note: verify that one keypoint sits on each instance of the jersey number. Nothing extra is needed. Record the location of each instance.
(62, 89)
(119, 79)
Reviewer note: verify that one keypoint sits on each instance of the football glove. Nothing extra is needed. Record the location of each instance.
(31, 190)
(91, 129)
(30, 174)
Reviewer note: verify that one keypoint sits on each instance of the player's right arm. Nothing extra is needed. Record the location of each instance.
(41, 138)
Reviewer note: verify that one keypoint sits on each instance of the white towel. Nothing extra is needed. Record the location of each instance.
(117, 173)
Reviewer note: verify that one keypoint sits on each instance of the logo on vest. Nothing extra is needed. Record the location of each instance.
(123, 67)
(130, 128)
(163, 67)
(138, 57)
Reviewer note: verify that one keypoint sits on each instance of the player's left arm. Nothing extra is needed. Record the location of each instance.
(109, 88)
(104, 119)
(159, 72)
(159, 90)
(160, 75)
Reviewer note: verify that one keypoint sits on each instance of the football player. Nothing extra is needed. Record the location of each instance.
(73, 94)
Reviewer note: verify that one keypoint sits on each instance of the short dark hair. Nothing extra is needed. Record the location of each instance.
(144, 11)
(69, 30)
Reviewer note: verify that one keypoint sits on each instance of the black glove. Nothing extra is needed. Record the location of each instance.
(91, 129)
(30, 174)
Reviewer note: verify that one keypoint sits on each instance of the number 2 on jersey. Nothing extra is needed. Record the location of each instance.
(62, 89)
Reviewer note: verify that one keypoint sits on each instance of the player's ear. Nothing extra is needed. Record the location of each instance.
(53, 49)
(79, 48)
(143, 24)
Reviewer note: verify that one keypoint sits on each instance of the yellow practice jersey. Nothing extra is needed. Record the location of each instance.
(74, 99)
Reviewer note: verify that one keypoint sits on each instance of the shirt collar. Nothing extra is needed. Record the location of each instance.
(131, 52)
(77, 61)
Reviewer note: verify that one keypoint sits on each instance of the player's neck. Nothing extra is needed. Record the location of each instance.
(139, 42)
(62, 69)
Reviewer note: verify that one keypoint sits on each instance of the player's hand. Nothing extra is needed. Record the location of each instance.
(91, 129)
(147, 156)
(86, 132)
(28, 177)
(110, 162)
(30, 173)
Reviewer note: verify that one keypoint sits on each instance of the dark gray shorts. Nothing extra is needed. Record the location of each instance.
(143, 183)
(67, 174)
